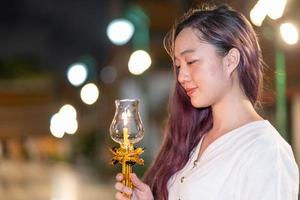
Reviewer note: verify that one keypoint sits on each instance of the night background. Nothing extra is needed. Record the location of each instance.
(40, 40)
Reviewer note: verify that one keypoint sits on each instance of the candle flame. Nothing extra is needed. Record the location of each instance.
(125, 116)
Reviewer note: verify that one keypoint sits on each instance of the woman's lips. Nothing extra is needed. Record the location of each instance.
(190, 91)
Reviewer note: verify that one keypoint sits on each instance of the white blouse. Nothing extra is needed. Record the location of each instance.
(252, 162)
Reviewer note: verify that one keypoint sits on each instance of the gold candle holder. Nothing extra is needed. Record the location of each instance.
(127, 129)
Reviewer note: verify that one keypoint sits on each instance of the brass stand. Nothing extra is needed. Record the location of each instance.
(127, 157)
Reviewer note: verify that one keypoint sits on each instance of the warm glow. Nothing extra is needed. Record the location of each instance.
(71, 125)
(273, 8)
(68, 115)
(77, 74)
(68, 111)
(139, 62)
(64, 121)
(259, 12)
(57, 126)
(89, 93)
(119, 31)
(276, 8)
(289, 33)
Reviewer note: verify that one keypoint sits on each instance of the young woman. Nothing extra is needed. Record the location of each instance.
(216, 146)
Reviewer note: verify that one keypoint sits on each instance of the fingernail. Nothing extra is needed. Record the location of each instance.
(119, 176)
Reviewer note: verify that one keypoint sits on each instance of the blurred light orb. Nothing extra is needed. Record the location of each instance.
(68, 111)
(139, 62)
(77, 74)
(108, 74)
(289, 33)
(89, 93)
(120, 31)
(57, 126)
(276, 8)
(71, 125)
(259, 12)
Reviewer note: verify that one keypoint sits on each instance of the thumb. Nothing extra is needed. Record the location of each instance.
(137, 182)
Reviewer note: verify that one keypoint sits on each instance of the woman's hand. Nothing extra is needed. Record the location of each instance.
(140, 191)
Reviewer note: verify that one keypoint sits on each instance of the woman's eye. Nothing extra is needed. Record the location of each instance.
(191, 62)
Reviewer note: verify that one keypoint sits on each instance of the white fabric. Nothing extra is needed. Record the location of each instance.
(252, 162)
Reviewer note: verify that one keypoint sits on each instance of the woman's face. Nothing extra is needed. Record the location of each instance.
(201, 70)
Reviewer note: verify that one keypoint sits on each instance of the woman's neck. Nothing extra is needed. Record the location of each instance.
(232, 112)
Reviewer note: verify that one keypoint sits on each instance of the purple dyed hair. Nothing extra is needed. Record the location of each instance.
(224, 28)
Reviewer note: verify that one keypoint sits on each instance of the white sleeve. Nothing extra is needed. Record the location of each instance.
(269, 173)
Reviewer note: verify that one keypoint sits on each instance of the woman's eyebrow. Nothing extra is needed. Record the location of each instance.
(187, 51)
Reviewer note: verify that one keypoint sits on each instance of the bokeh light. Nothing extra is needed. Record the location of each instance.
(259, 12)
(64, 121)
(119, 31)
(276, 8)
(57, 126)
(77, 74)
(68, 111)
(139, 62)
(89, 93)
(71, 125)
(289, 33)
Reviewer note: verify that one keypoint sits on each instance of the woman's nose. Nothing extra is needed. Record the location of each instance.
(183, 75)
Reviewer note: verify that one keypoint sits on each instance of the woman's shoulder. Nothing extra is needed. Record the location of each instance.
(264, 137)
(268, 169)
(267, 146)
(256, 138)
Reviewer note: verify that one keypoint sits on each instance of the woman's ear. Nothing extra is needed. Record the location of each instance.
(231, 61)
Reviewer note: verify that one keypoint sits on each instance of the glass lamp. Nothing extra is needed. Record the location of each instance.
(127, 129)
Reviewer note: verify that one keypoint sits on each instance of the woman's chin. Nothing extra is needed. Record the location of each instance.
(198, 104)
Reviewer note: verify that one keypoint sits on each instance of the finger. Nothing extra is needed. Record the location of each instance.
(119, 177)
(127, 191)
(122, 188)
(120, 196)
(119, 186)
(137, 182)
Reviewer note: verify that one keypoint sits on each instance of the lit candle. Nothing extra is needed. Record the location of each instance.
(125, 136)
(125, 116)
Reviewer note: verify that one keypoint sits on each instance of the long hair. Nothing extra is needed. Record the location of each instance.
(224, 28)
